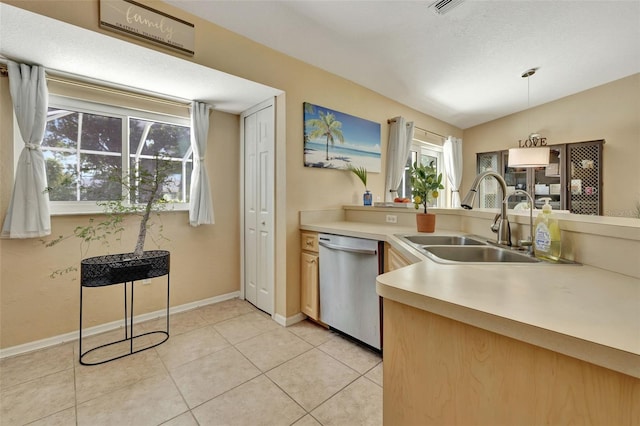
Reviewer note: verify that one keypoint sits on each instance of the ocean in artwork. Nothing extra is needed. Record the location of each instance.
(359, 147)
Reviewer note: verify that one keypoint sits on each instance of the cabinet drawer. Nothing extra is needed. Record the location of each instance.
(309, 241)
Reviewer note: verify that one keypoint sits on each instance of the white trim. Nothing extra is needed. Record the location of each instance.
(70, 208)
(288, 321)
(242, 168)
(73, 336)
(270, 102)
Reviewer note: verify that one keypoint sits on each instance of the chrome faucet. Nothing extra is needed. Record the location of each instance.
(501, 222)
(529, 242)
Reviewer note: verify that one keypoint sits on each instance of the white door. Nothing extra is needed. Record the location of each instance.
(259, 145)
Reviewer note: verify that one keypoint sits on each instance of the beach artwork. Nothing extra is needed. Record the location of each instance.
(334, 140)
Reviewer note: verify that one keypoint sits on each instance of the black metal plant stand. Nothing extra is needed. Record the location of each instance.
(107, 270)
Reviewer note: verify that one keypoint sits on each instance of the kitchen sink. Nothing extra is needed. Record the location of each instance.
(476, 254)
(442, 240)
(464, 249)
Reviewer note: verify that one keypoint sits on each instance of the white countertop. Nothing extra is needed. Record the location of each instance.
(577, 310)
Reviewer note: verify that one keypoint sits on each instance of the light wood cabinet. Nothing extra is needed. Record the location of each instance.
(309, 283)
(393, 259)
(438, 371)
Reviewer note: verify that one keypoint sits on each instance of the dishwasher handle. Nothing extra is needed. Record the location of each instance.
(347, 249)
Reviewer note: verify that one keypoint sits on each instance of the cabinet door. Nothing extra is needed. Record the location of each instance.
(584, 168)
(393, 259)
(548, 182)
(488, 193)
(515, 178)
(309, 289)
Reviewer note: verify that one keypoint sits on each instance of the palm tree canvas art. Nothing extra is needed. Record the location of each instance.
(334, 140)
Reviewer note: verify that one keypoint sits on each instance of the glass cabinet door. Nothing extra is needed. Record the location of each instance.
(547, 181)
(515, 178)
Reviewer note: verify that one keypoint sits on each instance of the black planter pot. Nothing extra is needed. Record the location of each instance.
(124, 267)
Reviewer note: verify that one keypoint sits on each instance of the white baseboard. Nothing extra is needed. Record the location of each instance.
(287, 321)
(69, 337)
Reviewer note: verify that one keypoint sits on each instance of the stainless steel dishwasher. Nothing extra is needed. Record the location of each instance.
(348, 299)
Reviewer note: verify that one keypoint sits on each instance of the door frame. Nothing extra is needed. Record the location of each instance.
(271, 102)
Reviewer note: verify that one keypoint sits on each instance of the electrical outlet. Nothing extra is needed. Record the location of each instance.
(392, 218)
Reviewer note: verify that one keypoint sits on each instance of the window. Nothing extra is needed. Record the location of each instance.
(86, 144)
(424, 153)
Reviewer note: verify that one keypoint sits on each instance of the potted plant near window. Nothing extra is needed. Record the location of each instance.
(361, 172)
(144, 198)
(425, 186)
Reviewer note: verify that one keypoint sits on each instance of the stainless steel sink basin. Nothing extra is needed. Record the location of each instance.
(476, 254)
(442, 240)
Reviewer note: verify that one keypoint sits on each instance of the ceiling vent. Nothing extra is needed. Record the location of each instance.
(441, 7)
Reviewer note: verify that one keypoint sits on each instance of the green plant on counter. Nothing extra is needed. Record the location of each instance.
(425, 184)
(361, 172)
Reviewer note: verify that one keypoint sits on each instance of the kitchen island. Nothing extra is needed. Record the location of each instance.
(505, 344)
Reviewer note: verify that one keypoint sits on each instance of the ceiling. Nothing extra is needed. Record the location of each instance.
(462, 67)
(77, 52)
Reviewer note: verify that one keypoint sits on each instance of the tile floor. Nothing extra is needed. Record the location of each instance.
(225, 364)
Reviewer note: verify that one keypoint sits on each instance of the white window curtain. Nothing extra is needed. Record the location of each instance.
(200, 203)
(400, 138)
(28, 214)
(453, 165)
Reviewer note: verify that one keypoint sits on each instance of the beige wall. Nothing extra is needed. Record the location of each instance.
(205, 260)
(35, 307)
(610, 112)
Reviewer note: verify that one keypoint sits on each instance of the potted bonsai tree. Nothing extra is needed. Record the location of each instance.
(142, 199)
(425, 186)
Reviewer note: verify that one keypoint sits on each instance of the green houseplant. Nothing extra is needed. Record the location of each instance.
(145, 187)
(361, 172)
(426, 183)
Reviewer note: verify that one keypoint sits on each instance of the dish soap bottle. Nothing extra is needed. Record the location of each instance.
(546, 243)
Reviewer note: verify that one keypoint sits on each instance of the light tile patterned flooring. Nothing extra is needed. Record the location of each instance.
(224, 364)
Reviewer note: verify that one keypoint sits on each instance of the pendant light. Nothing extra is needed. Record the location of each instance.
(532, 152)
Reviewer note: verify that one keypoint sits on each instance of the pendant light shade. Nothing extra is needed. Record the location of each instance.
(529, 157)
(532, 152)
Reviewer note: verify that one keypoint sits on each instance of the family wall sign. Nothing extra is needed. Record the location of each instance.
(138, 20)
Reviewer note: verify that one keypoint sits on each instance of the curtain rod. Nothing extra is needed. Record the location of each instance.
(393, 120)
(95, 84)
